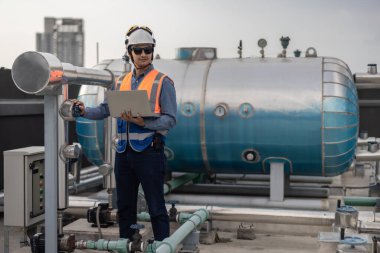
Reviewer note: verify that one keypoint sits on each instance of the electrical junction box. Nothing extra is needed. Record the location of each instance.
(24, 185)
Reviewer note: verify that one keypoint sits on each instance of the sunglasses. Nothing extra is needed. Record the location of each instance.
(139, 50)
(136, 27)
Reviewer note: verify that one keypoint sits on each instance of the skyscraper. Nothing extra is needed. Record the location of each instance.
(63, 37)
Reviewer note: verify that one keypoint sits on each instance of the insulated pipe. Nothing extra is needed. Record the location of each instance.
(91, 170)
(86, 184)
(173, 184)
(63, 175)
(365, 155)
(250, 177)
(51, 174)
(242, 201)
(181, 217)
(250, 190)
(364, 142)
(37, 72)
(293, 178)
(170, 244)
(360, 201)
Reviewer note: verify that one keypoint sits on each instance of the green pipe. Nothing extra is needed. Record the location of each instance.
(169, 186)
(360, 201)
(170, 244)
(120, 246)
(179, 181)
(181, 217)
(143, 216)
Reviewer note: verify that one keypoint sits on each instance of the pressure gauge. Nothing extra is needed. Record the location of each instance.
(262, 43)
(221, 110)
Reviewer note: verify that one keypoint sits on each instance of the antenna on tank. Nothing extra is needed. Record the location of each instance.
(97, 52)
(240, 49)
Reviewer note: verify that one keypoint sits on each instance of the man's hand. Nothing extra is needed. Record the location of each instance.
(80, 105)
(136, 120)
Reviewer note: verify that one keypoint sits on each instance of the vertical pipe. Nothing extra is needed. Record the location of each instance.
(63, 136)
(108, 154)
(51, 163)
(113, 152)
(97, 52)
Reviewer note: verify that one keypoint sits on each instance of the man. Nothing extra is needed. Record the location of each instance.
(140, 143)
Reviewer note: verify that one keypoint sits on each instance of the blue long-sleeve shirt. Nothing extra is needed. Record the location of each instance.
(167, 102)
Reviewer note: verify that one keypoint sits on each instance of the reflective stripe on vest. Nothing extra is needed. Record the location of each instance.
(139, 137)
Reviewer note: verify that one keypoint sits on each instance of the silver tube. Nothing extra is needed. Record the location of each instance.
(293, 178)
(370, 102)
(288, 203)
(63, 199)
(51, 175)
(365, 155)
(86, 184)
(364, 142)
(88, 76)
(108, 147)
(250, 190)
(367, 78)
(36, 72)
(113, 152)
(60, 223)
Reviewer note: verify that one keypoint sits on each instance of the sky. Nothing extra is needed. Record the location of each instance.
(345, 29)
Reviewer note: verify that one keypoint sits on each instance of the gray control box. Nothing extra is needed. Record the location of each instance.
(24, 186)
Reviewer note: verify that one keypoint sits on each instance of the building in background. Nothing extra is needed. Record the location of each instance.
(63, 37)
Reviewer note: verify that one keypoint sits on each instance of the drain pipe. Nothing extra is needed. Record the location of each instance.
(170, 244)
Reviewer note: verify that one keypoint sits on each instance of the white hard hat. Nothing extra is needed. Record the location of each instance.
(139, 35)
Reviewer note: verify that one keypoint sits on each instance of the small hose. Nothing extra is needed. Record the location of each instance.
(98, 223)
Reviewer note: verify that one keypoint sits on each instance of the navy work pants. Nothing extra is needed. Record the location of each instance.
(148, 168)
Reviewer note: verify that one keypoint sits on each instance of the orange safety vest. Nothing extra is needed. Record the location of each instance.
(139, 138)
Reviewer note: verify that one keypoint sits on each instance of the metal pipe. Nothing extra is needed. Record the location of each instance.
(37, 72)
(369, 102)
(365, 155)
(63, 195)
(293, 178)
(181, 217)
(360, 201)
(76, 167)
(250, 190)
(253, 177)
(367, 78)
(364, 142)
(86, 184)
(51, 175)
(177, 182)
(243, 201)
(108, 154)
(170, 244)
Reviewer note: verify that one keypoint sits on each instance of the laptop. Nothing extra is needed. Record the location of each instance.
(135, 101)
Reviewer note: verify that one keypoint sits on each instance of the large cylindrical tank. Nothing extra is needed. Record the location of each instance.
(237, 115)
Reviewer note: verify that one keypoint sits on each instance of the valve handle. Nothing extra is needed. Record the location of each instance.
(173, 202)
